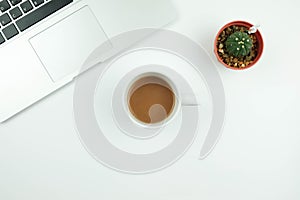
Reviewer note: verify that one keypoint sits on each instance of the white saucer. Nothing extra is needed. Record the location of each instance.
(98, 120)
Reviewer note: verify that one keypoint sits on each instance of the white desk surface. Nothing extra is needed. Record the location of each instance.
(258, 156)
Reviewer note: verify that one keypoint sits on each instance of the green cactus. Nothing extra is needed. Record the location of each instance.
(239, 44)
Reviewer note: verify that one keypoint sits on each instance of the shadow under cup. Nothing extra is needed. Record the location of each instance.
(151, 99)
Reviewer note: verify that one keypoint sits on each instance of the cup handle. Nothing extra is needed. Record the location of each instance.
(189, 99)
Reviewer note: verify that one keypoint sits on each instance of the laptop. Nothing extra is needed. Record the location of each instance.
(44, 43)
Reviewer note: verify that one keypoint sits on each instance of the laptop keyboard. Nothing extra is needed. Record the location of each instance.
(18, 15)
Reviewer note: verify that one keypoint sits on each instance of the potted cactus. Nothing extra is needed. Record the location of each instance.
(238, 45)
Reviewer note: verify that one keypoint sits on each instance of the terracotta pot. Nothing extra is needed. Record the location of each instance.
(260, 44)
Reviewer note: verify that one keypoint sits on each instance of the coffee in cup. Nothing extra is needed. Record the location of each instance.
(151, 99)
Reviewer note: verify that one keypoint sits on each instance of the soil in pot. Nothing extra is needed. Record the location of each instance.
(232, 61)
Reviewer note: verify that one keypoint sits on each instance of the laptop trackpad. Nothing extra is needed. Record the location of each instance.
(63, 47)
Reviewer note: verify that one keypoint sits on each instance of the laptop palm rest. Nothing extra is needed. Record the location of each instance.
(76, 36)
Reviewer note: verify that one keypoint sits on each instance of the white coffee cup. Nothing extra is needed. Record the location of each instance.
(127, 122)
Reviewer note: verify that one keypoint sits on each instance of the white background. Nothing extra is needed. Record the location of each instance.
(258, 156)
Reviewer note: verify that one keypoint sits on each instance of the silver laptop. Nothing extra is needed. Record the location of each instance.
(43, 43)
